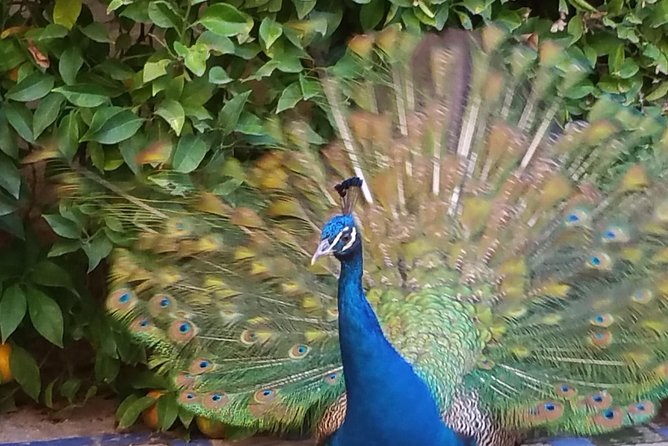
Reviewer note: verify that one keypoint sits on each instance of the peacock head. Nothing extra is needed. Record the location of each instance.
(340, 235)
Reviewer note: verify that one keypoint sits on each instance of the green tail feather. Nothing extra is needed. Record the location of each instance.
(505, 260)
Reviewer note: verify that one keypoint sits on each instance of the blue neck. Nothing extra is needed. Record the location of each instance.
(388, 404)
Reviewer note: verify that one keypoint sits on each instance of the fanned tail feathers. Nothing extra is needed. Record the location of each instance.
(506, 260)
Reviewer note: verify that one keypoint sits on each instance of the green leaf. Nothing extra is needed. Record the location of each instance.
(66, 12)
(575, 28)
(97, 32)
(194, 57)
(218, 76)
(137, 12)
(186, 417)
(627, 70)
(168, 410)
(12, 310)
(20, 118)
(289, 98)
(616, 58)
(464, 19)
(226, 20)
(582, 4)
(13, 224)
(270, 31)
(67, 136)
(69, 65)
(229, 114)
(46, 113)
(25, 371)
(372, 13)
(46, 316)
(111, 125)
(7, 207)
(48, 394)
(10, 177)
(62, 226)
(50, 274)
(172, 112)
(106, 367)
(32, 87)
(196, 92)
(97, 249)
(658, 92)
(303, 7)
(128, 416)
(7, 138)
(162, 14)
(11, 54)
(70, 388)
(63, 247)
(310, 87)
(189, 153)
(216, 43)
(51, 31)
(153, 70)
(96, 153)
(84, 95)
(130, 148)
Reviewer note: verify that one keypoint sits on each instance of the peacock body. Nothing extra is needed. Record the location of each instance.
(496, 272)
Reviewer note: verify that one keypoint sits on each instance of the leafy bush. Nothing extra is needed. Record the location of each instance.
(191, 79)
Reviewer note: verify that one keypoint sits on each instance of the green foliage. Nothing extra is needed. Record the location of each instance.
(190, 79)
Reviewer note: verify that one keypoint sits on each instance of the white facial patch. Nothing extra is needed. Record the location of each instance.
(353, 237)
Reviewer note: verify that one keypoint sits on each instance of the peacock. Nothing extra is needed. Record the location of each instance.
(454, 267)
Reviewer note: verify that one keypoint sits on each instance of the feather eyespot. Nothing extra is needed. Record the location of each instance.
(602, 320)
(200, 366)
(601, 339)
(598, 400)
(661, 211)
(264, 396)
(249, 337)
(486, 364)
(609, 419)
(661, 371)
(182, 331)
(641, 408)
(545, 411)
(215, 400)
(332, 314)
(121, 300)
(577, 217)
(188, 397)
(141, 324)
(332, 378)
(599, 261)
(615, 234)
(160, 303)
(299, 351)
(178, 228)
(642, 296)
(566, 390)
(184, 380)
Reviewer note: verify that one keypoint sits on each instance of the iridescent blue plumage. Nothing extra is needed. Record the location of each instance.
(388, 404)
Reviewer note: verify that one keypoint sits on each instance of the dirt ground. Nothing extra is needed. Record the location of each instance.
(96, 422)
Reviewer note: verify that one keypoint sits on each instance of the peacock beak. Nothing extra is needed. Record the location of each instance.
(324, 248)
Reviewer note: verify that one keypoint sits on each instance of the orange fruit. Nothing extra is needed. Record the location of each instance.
(150, 415)
(13, 74)
(210, 428)
(5, 368)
